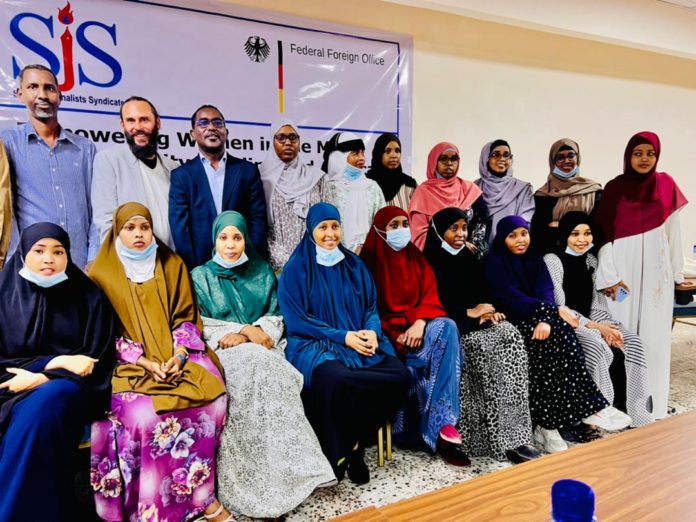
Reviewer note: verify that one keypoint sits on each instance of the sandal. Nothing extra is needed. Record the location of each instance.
(217, 513)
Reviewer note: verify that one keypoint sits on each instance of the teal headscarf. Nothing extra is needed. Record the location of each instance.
(241, 294)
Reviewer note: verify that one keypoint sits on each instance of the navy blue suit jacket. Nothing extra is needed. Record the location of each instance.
(192, 208)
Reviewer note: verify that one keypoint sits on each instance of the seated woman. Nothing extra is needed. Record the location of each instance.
(494, 387)
(614, 357)
(291, 187)
(353, 381)
(269, 459)
(503, 194)
(154, 458)
(56, 358)
(425, 339)
(564, 190)
(357, 198)
(561, 392)
(386, 170)
(444, 189)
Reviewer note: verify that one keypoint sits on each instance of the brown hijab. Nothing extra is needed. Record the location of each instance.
(148, 313)
(573, 194)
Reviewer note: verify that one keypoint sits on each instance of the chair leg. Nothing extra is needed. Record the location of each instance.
(380, 448)
(389, 441)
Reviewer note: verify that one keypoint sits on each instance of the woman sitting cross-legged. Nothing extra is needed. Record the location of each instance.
(353, 381)
(494, 393)
(154, 458)
(614, 356)
(56, 358)
(561, 392)
(426, 340)
(269, 459)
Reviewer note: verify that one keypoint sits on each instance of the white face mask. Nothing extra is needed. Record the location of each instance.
(449, 248)
(230, 264)
(327, 257)
(572, 252)
(42, 280)
(399, 238)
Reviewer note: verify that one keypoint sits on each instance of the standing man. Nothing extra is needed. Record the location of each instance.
(134, 173)
(5, 205)
(51, 168)
(209, 184)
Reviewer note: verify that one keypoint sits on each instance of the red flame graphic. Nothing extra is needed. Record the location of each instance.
(65, 15)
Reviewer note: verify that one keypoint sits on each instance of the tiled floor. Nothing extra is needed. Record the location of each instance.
(412, 473)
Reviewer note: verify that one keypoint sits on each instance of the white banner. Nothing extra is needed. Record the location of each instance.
(253, 65)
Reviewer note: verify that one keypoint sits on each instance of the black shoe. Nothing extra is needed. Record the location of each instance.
(523, 453)
(452, 453)
(580, 433)
(357, 469)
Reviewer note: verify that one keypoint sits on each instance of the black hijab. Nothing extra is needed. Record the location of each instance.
(389, 180)
(73, 317)
(460, 281)
(578, 285)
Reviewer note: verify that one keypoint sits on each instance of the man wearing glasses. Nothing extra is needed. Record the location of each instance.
(209, 184)
(134, 173)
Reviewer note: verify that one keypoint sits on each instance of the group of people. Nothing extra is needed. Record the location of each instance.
(237, 334)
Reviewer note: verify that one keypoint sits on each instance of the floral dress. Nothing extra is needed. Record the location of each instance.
(156, 467)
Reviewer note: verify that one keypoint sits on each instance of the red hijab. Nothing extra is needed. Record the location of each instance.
(635, 203)
(406, 285)
(437, 193)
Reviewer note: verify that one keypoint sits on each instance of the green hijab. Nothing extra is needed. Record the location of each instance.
(241, 294)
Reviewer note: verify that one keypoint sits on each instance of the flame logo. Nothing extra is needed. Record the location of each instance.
(65, 15)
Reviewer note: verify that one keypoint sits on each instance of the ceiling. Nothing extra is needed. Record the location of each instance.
(663, 26)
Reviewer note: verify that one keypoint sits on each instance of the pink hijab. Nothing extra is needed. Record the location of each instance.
(437, 193)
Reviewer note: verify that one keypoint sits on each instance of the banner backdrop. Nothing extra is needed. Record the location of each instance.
(254, 65)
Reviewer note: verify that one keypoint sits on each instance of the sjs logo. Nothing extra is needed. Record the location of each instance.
(66, 18)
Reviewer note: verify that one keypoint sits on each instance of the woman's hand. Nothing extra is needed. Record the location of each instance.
(370, 336)
(257, 335)
(611, 290)
(413, 337)
(568, 316)
(172, 368)
(472, 248)
(494, 317)
(479, 310)
(23, 380)
(81, 365)
(153, 368)
(360, 344)
(611, 335)
(541, 332)
(232, 339)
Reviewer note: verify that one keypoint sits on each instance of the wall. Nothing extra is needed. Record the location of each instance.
(475, 81)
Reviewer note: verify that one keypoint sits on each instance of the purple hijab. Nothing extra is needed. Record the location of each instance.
(518, 283)
(504, 195)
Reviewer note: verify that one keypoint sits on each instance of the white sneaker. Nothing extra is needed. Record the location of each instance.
(550, 440)
(619, 415)
(607, 420)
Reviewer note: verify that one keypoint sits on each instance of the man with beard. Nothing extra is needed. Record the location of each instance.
(134, 173)
(50, 168)
(209, 184)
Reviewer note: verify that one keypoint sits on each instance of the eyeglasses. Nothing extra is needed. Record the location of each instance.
(562, 157)
(497, 155)
(448, 159)
(282, 138)
(203, 123)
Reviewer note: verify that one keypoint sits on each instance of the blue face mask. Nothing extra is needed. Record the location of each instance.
(351, 172)
(227, 264)
(42, 280)
(399, 238)
(329, 257)
(572, 252)
(449, 248)
(137, 255)
(566, 175)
